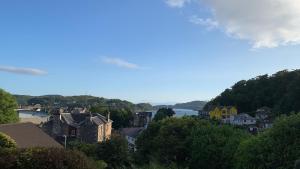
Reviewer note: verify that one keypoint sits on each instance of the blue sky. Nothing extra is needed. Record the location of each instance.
(157, 51)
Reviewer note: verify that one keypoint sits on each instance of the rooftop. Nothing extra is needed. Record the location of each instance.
(28, 135)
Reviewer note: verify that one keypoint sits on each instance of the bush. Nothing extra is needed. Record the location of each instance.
(6, 141)
(44, 158)
(8, 105)
(214, 146)
(278, 147)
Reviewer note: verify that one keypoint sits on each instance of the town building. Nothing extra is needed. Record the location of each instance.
(242, 119)
(223, 112)
(263, 117)
(131, 135)
(28, 135)
(86, 127)
(142, 119)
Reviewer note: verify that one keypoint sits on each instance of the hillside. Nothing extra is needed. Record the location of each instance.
(80, 101)
(193, 105)
(280, 91)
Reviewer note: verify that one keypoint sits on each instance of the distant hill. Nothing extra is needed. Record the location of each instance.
(193, 105)
(80, 101)
(280, 92)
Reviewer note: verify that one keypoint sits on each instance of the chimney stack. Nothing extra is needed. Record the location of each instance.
(108, 115)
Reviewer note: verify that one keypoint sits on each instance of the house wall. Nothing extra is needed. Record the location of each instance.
(108, 128)
(89, 133)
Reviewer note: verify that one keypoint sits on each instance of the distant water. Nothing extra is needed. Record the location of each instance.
(185, 112)
(32, 114)
(181, 112)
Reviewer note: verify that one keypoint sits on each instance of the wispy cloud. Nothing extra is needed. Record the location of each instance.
(177, 3)
(18, 70)
(120, 63)
(207, 22)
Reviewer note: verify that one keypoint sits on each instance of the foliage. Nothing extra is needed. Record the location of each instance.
(166, 141)
(120, 117)
(163, 113)
(113, 152)
(86, 148)
(297, 164)
(6, 141)
(193, 105)
(44, 158)
(214, 146)
(7, 108)
(278, 147)
(80, 101)
(279, 92)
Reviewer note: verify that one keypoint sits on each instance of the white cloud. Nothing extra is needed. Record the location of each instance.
(264, 23)
(18, 70)
(177, 3)
(207, 22)
(120, 63)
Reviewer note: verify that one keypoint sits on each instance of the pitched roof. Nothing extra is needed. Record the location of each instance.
(74, 119)
(28, 135)
(77, 119)
(132, 132)
(243, 116)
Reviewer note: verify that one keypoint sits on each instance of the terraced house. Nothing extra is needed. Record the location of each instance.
(86, 127)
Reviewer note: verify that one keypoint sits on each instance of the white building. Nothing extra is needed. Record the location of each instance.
(242, 119)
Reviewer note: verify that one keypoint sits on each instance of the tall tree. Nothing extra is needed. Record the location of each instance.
(7, 108)
(163, 113)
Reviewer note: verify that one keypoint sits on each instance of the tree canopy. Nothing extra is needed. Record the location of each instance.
(7, 108)
(278, 147)
(6, 141)
(163, 113)
(279, 91)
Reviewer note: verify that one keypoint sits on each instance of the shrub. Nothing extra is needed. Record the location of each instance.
(44, 158)
(6, 141)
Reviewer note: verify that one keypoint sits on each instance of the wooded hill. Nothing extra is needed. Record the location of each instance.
(280, 92)
(193, 105)
(80, 101)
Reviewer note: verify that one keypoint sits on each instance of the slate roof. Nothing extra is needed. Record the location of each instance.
(28, 135)
(132, 132)
(77, 119)
(243, 116)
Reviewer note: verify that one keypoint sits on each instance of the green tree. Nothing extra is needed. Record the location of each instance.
(278, 147)
(166, 141)
(114, 152)
(7, 108)
(44, 158)
(214, 146)
(6, 141)
(163, 113)
(121, 117)
(279, 91)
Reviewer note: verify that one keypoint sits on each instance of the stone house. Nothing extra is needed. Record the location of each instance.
(87, 127)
